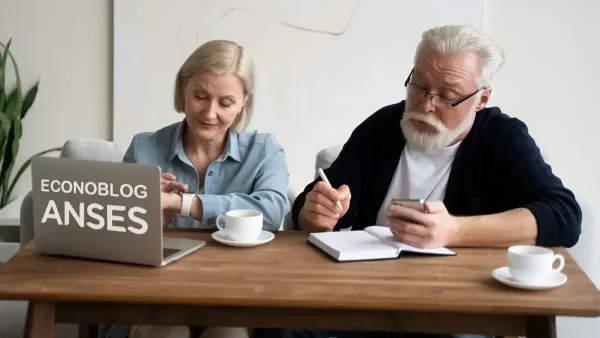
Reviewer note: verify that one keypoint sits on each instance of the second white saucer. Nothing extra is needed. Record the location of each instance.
(264, 237)
(503, 276)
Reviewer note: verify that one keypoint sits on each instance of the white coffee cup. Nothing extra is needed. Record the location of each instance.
(530, 264)
(241, 225)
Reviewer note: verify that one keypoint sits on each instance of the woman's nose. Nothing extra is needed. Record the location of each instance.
(210, 110)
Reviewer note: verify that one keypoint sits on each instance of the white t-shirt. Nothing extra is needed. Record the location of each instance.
(419, 175)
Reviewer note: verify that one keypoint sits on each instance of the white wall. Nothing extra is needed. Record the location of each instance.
(67, 44)
(550, 81)
(322, 66)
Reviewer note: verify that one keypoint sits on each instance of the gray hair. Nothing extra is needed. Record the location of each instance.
(454, 39)
(220, 57)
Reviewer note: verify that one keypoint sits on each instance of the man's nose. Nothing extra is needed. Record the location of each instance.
(427, 104)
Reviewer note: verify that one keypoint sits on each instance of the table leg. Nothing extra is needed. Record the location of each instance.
(541, 327)
(41, 321)
(88, 330)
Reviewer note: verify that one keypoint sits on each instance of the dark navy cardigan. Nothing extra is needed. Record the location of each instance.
(497, 167)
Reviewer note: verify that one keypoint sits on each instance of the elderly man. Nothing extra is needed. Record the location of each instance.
(481, 173)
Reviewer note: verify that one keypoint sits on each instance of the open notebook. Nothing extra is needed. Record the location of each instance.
(373, 243)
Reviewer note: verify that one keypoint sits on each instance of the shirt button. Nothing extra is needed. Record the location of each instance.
(210, 173)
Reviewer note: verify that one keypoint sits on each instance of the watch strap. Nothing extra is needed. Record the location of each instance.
(186, 204)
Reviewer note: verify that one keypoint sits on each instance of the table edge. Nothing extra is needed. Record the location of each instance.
(219, 302)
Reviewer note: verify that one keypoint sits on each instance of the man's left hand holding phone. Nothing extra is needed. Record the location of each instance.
(421, 224)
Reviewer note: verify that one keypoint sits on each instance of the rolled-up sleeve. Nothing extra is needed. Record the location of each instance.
(269, 194)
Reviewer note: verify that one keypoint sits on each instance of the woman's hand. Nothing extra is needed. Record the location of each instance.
(171, 206)
(170, 202)
(168, 183)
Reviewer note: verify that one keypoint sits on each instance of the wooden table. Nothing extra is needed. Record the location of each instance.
(287, 283)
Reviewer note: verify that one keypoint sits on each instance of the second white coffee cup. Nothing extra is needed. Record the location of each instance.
(241, 225)
(531, 264)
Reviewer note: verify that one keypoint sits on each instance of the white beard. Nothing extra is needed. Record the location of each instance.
(440, 139)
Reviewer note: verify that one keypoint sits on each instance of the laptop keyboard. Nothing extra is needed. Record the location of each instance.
(168, 252)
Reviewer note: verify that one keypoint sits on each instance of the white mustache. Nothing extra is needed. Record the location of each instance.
(427, 118)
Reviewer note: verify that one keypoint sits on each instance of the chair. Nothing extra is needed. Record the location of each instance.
(325, 157)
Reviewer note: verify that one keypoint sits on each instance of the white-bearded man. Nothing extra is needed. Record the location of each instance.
(482, 175)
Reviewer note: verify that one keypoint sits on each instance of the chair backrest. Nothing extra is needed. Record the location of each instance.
(325, 157)
(81, 148)
(93, 149)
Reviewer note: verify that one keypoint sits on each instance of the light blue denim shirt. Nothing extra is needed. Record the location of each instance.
(251, 173)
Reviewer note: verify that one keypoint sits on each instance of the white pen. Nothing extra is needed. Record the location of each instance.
(324, 178)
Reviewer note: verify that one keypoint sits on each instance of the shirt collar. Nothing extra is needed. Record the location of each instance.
(231, 148)
(177, 143)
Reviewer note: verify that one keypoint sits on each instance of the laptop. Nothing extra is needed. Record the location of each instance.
(102, 210)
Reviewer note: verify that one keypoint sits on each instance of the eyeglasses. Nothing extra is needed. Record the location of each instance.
(438, 100)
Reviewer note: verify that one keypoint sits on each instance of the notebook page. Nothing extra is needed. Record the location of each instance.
(353, 245)
(385, 235)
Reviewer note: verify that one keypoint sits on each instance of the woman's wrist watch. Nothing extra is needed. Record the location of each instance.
(186, 204)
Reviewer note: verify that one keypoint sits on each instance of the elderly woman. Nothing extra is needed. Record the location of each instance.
(208, 153)
(210, 164)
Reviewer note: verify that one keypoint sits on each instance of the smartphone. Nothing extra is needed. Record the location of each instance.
(410, 203)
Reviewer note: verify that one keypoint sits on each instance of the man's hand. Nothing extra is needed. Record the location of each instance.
(434, 229)
(320, 212)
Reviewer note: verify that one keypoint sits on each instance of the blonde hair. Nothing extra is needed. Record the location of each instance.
(221, 57)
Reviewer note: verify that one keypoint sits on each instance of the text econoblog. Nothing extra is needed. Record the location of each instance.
(96, 189)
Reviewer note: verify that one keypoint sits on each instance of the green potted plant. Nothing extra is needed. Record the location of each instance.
(13, 108)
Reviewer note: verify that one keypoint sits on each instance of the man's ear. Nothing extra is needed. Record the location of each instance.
(485, 97)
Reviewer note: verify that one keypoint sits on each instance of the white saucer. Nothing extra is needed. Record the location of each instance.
(264, 237)
(503, 276)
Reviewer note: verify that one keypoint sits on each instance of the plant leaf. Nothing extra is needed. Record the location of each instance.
(24, 167)
(5, 122)
(19, 103)
(3, 63)
(10, 154)
(11, 104)
(29, 98)
(19, 106)
(4, 128)
(2, 94)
